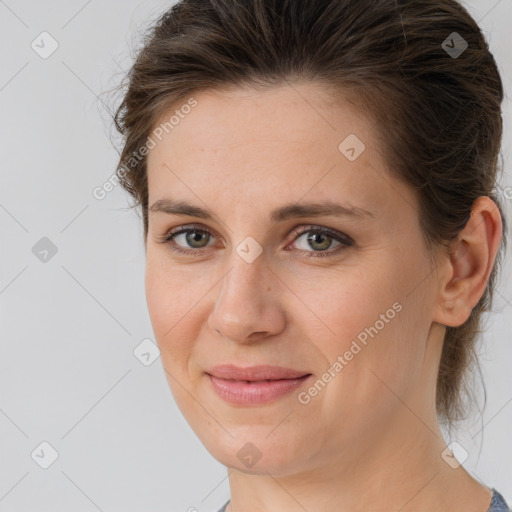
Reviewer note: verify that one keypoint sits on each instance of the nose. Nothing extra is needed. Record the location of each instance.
(247, 307)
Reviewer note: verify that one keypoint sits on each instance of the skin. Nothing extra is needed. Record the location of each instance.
(370, 439)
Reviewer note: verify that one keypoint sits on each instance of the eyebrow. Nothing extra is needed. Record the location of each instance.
(288, 211)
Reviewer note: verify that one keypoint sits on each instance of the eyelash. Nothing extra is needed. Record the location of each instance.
(346, 241)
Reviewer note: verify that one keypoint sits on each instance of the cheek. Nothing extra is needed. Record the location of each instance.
(359, 305)
(379, 346)
(171, 291)
(172, 298)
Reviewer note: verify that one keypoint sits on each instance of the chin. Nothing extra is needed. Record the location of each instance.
(255, 453)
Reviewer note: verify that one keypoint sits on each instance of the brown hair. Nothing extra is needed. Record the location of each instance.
(438, 112)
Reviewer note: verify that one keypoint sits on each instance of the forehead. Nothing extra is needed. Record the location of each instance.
(301, 115)
(283, 143)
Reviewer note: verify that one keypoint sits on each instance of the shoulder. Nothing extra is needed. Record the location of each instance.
(498, 503)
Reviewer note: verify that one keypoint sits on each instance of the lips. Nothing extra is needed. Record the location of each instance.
(255, 385)
(255, 373)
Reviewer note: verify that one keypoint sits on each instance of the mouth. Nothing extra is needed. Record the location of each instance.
(254, 385)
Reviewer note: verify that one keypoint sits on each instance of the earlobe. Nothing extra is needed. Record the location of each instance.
(469, 263)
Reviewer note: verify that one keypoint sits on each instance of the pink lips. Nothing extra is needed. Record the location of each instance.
(254, 385)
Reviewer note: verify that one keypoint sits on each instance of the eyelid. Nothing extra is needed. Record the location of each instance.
(334, 233)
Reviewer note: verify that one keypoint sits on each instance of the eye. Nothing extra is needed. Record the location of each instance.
(195, 236)
(320, 239)
(189, 240)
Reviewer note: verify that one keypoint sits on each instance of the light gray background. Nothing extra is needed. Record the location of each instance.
(68, 374)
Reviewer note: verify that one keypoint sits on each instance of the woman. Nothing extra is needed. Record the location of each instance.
(318, 186)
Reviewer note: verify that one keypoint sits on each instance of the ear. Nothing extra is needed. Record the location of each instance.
(468, 264)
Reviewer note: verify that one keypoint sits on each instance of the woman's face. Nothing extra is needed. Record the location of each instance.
(351, 309)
